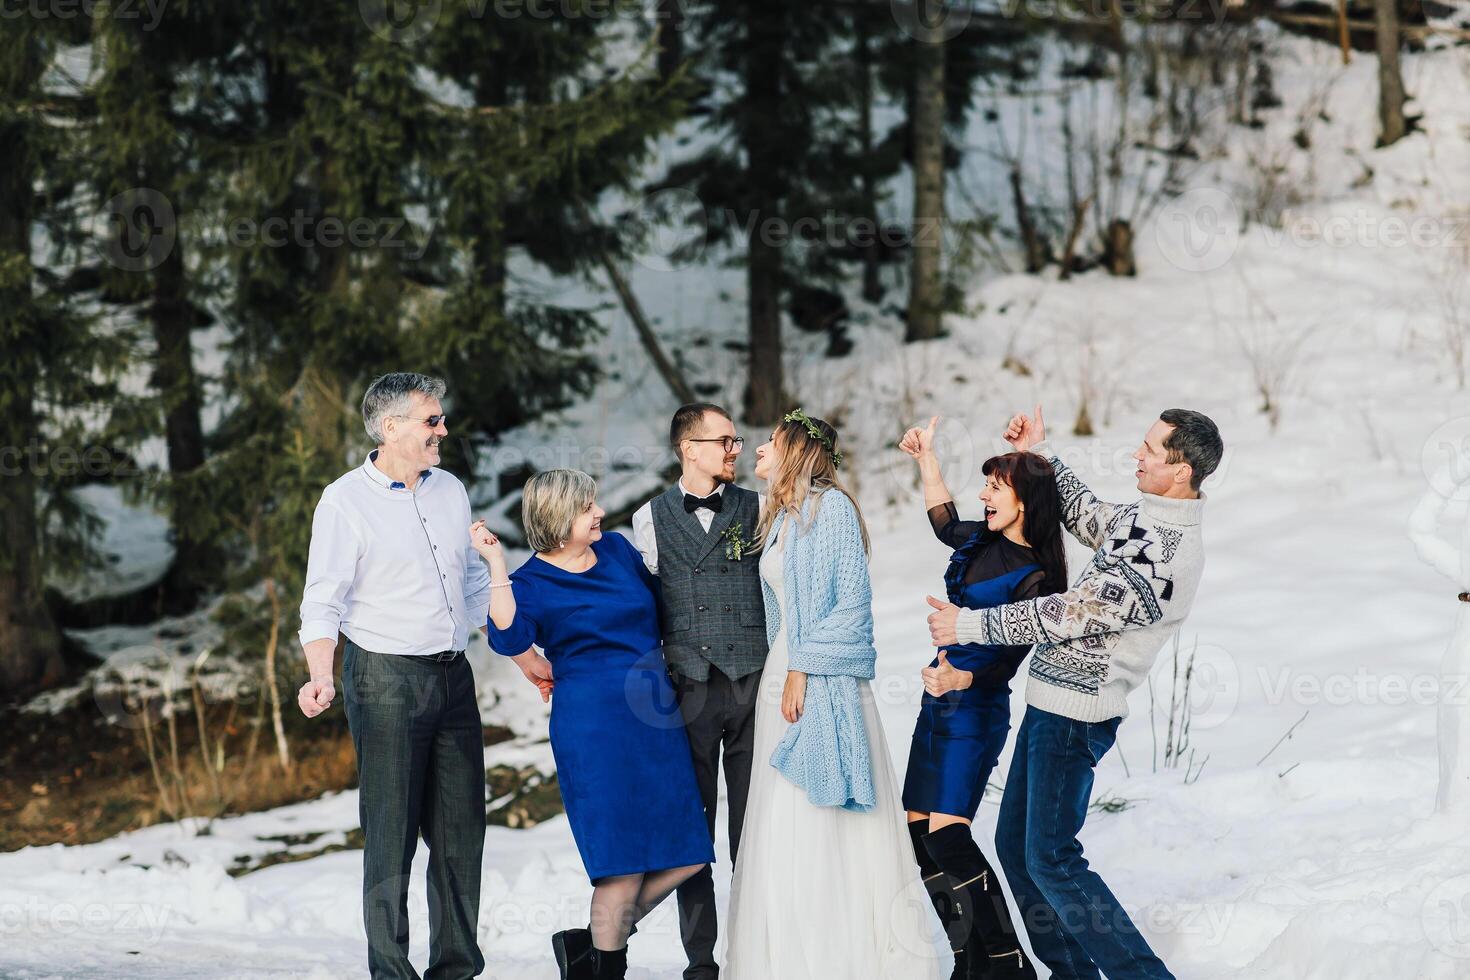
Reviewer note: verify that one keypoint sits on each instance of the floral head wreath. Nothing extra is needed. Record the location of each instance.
(797, 415)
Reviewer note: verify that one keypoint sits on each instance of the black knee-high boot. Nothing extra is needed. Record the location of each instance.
(993, 947)
(943, 899)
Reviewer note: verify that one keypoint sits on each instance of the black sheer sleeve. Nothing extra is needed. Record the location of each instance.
(948, 527)
(1002, 670)
(1030, 587)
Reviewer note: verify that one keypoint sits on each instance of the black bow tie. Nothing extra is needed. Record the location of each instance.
(692, 503)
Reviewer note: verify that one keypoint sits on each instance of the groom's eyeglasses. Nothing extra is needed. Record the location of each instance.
(434, 421)
(728, 442)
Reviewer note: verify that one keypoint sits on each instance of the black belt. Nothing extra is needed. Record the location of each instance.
(444, 656)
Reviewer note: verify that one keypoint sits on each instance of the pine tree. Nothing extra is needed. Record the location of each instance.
(58, 376)
(155, 142)
(536, 98)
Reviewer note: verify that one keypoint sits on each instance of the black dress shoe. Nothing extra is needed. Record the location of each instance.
(573, 950)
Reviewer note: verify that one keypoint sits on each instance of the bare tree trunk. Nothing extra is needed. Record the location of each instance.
(1031, 242)
(178, 387)
(669, 19)
(272, 643)
(765, 388)
(1392, 126)
(322, 387)
(1118, 248)
(661, 362)
(872, 285)
(927, 126)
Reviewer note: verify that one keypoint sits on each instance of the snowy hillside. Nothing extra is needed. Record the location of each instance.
(1259, 855)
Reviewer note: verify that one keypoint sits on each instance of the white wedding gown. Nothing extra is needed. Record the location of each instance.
(821, 892)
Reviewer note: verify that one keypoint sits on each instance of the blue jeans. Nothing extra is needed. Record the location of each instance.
(420, 773)
(1075, 923)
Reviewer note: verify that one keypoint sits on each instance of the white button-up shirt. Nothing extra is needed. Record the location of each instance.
(393, 567)
(646, 539)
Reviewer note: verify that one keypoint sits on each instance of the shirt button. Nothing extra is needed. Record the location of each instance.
(698, 571)
(702, 608)
(729, 646)
(724, 568)
(727, 609)
(704, 648)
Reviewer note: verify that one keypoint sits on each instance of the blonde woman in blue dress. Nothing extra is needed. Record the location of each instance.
(825, 885)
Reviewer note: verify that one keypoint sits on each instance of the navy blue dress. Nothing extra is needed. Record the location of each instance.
(959, 735)
(622, 755)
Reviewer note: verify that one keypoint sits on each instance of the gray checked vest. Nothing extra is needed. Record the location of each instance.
(712, 610)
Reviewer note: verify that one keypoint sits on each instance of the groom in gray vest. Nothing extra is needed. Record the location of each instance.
(696, 538)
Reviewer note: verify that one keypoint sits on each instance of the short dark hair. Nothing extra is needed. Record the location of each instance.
(1195, 440)
(687, 420)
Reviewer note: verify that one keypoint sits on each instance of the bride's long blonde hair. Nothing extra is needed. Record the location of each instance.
(805, 468)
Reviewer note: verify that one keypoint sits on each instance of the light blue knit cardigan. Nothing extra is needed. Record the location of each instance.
(829, 637)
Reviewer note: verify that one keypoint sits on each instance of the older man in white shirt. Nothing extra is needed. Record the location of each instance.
(391, 567)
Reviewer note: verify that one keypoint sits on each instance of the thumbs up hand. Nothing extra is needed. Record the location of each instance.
(919, 442)
(940, 680)
(1024, 431)
(942, 622)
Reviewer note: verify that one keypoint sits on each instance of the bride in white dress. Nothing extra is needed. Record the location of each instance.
(821, 892)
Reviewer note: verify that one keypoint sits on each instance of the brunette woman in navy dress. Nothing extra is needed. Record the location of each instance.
(1015, 553)
(622, 755)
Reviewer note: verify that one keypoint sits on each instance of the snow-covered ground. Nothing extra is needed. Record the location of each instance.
(1313, 856)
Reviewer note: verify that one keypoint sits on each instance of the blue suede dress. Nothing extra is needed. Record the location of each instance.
(622, 755)
(959, 735)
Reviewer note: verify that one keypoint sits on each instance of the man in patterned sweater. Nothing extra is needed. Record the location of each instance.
(1094, 644)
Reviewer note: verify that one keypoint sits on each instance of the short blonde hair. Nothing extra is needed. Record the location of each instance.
(550, 504)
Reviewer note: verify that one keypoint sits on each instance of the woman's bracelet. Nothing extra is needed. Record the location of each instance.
(500, 585)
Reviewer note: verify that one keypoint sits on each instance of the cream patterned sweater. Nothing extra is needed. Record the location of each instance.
(1097, 641)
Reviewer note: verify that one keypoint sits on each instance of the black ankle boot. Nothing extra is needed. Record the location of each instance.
(610, 964)
(573, 951)
(994, 951)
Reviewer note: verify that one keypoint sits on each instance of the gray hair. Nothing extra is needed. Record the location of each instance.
(389, 394)
(550, 504)
(1195, 440)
